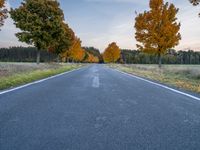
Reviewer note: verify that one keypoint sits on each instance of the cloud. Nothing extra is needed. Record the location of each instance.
(141, 2)
(113, 1)
(121, 28)
(190, 31)
(105, 23)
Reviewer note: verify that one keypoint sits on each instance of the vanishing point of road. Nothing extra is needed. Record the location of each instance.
(97, 108)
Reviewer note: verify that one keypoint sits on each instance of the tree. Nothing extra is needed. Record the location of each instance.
(95, 52)
(3, 12)
(112, 53)
(195, 3)
(40, 22)
(75, 53)
(64, 42)
(157, 29)
(90, 58)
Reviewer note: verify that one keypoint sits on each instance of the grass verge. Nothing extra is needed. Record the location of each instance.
(27, 76)
(185, 77)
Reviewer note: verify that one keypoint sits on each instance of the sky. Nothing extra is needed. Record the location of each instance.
(100, 22)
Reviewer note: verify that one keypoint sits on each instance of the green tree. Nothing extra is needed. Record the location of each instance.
(64, 41)
(40, 22)
(3, 12)
(157, 29)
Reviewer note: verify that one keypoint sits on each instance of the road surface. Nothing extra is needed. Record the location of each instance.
(97, 108)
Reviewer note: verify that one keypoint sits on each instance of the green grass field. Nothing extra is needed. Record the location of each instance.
(185, 77)
(15, 74)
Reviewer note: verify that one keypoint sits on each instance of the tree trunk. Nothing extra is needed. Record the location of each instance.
(58, 59)
(38, 56)
(159, 61)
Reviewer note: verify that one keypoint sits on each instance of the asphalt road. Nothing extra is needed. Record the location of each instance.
(97, 108)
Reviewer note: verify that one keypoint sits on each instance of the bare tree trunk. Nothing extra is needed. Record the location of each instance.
(159, 61)
(38, 57)
(58, 59)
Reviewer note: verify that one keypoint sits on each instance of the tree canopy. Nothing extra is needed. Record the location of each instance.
(75, 52)
(112, 53)
(157, 29)
(41, 22)
(64, 42)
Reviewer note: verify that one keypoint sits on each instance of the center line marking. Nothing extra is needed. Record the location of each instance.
(95, 82)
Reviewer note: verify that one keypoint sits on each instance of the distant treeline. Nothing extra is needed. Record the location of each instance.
(172, 57)
(28, 54)
(24, 54)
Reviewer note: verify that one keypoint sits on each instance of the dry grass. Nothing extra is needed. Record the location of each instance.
(8, 69)
(15, 74)
(182, 76)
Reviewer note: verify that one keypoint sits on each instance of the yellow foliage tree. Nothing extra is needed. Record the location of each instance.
(75, 53)
(65, 55)
(91, 58)
(112, 53)
(157, 29)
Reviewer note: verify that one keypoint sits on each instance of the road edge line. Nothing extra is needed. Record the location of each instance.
(38, 81)
(160, 85)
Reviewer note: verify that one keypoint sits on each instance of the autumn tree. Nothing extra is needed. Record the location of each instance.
(90, 58)
(40, 22)
(64, 42)
(95, 52)
(157, 29)
(111, 53)
(195, 3)
(3, 12)
(76, 53)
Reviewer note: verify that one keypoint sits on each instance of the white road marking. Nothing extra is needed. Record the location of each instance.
(36, 82)
(95, 82)
(94, 70)
(160, 85)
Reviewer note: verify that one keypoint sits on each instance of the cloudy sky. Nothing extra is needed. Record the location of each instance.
(99, 22)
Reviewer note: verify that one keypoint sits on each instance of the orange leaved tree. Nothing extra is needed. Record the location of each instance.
(76, 52)
(91, 58)
(112, 53)
(157, 30)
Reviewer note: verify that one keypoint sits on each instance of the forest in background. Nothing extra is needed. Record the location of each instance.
(157, 31)
(28, 54)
